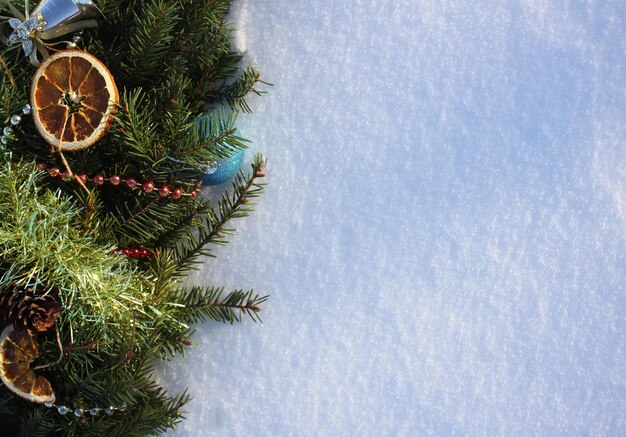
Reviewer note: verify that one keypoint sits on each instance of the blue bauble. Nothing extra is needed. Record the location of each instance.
(223, 170)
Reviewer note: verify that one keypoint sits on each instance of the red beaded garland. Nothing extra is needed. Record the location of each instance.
(98, 180)
(135, 253)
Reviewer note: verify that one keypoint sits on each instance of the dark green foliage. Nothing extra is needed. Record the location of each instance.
(181, 87)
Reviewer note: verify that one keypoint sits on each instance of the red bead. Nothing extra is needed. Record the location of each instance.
(144, 253)
(135, 253)
(131, 183)
(115, 180)
(114, 252)
(98, 179)
(148, 187)
(177, 193)
(194, 194)
(65, 175)
(126, 252)
(54, 172)
(82, 177)
(164, 190)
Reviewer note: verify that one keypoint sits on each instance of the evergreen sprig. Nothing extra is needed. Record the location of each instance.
(212, 228)
(211, 303)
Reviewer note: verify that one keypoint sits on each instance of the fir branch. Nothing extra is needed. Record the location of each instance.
(235, 93)
(143, 220)
(211, 303)
(37, 424)
(235, 205)
(136, 129)
(182, 227)
(171, 97)
(136, 216)
(211, 137)
(151, 39)
(154, 416)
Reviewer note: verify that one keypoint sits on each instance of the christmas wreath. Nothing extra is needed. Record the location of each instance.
(115, 113)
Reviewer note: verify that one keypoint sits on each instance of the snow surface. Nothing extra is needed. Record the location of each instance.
(444, 233)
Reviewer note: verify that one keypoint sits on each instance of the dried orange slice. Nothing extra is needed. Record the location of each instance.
(17, 350)
(73, 97)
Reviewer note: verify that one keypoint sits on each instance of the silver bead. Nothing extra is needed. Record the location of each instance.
(108, 411)
(15, 120)
(26, 109)
(78, 412)
(72, 45)
(63, 410)
(212, 167)
(7, 131)
(94, 411)
(49, 404)
(122, 407)
(4, 140)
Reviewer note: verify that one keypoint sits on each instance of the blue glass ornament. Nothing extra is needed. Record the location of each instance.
(223, 170)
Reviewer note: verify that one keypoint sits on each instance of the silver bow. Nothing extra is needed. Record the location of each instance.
(51, 19)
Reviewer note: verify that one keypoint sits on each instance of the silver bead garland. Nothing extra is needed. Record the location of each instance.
(16, 119)
(80, 412)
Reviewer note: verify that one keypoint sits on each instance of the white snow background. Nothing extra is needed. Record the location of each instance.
(444, 232)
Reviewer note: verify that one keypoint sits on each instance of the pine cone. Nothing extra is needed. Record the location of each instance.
(29, 310)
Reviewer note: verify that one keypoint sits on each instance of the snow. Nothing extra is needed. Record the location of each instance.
(444, 232)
